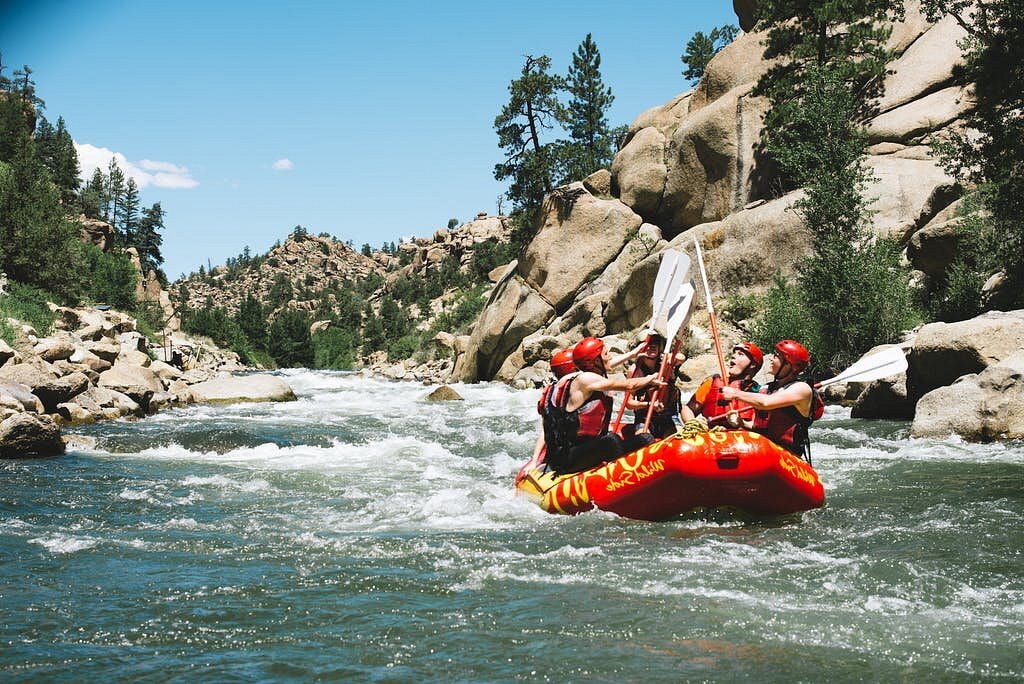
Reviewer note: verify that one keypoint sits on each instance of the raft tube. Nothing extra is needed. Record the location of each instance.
(734, 469)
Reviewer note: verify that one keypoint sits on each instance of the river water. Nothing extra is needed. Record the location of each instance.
(364, 533)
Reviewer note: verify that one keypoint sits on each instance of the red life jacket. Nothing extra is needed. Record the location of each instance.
(787, 427)
(563, 428)
(712, 408)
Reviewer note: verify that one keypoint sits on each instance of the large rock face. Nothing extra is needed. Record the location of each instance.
(138, 382)
(978, 407)
(575, 243)
(944, 352)
(513, 311)
(925, 67)
(907, 193)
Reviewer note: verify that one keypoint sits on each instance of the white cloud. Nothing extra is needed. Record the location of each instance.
(146, 172)
(284, 164)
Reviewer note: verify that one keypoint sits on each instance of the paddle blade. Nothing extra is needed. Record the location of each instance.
(667, 288)
(680, 311)
(883, 364)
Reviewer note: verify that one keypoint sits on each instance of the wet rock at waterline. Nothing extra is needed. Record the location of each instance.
(885, 398)
(24, 435)
(978, 407)
(234, 389)
(944, 352)
(444, 393)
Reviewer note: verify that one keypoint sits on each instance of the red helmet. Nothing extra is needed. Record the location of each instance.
(561, 362)
(794, 353)
(586, 354)
(754, 353)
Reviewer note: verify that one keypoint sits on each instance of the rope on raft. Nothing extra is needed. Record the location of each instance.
(694, 427)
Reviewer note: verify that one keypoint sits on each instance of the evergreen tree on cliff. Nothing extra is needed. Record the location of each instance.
(591, 145)
(57, 152)
(829, 58)
(994, 158)
(38, 245)
(702, 47)
(532, 109)
(148, 240)
(129, 223)
(114, 193)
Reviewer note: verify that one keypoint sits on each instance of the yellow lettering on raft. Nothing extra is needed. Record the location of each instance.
(797, 469)
(636, 475)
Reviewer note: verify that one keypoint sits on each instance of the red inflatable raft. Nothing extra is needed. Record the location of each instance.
(736, 469)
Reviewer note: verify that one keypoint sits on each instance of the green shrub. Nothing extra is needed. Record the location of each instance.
(406, 346)
(149, 319)
(29, 305)
(872, 304)
(955, 295)
(785, 317)
(739, 308)
(468, 307)
(215, 323)
(487, 256)
(289, 341)
(334, 348)
(112, 278)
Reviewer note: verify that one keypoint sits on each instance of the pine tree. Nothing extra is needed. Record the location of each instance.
(66, 170)
(37, 244)
(93, 194)
(45, 142)
(252, 319)
(289, 341)
(5, 83)
(114, 194)
(25, 87)
(13, 124)
(591, 144)
(148, 238)
(57, 152)
(533, 108)
(373, 332)
(701, 48)
(130, 216)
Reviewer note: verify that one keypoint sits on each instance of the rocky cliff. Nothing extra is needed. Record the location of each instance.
(315, 263)
(311, 262)
(691, 169)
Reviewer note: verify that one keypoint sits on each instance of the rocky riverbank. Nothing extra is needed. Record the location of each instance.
(97, 365)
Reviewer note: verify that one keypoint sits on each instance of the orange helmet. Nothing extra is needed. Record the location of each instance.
(794, 353)
(561, 362)
(586, 354)
(754, 353)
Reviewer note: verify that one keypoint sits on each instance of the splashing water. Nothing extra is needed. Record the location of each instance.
(363, 532)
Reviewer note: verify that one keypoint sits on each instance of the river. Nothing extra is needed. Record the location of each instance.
(362, 533)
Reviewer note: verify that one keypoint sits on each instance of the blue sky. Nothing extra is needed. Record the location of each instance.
(368, 121)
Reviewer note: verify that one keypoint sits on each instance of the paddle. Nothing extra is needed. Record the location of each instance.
(678, 315)
(673, 273)
(883, 364)
(711, 315)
